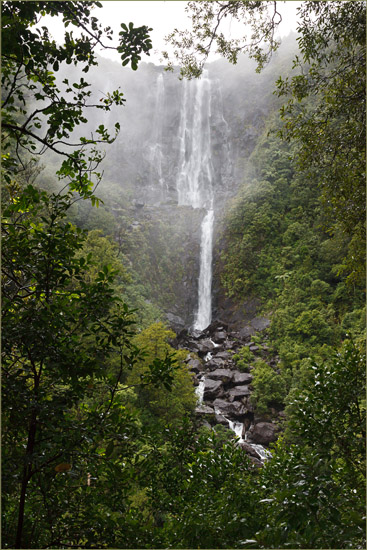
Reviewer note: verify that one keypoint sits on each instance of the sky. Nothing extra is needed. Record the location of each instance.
(162, 16)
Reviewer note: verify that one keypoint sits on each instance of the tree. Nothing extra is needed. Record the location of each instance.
(158, 406)
(325, 115)
(193, 47)
(67, 345)
(67, 339)
(38, 113)
(314, 487)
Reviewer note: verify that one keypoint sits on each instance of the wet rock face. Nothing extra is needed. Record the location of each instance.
(227, 390)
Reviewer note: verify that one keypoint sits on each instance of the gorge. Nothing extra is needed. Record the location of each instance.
(186, 173)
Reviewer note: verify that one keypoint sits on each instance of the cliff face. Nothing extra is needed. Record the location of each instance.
(197, 134)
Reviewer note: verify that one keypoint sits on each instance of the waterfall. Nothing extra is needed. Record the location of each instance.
(155, 152)
(200, 391)
(237, 428)
(194, 181)
(203, 316)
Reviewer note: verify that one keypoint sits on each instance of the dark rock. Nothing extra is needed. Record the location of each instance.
(256, 461)
(225, 375)
(241, 378)
(230, 344)
(220, 336)
(235, 409)
(175, 321)
(219, 418)
(264, 433)
(238, 392)
(215, 325)
(223, 355)
(204, 346)
(249, 404)
(249, 450)
(246, 332)
(195, 365)
(204, 409)
(213, 389)
(196, 334)
(215, 363)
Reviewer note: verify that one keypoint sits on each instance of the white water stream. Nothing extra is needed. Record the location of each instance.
(238, 428)
(200, 391)
(194, 181)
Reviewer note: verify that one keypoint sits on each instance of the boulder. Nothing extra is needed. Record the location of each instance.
(221, 374)
(264, 433)
(246, 332)
(204, 409)
(214, 363)
(213, 389)
(195, 365)
(204, 346)
(240, 378)
(220, 337)
(249, 450)
(196, 334)
(235, 409)
(230, 344)
(225, 355)
(215, 326)
(219, 419)
(256, 461)
(238, 392)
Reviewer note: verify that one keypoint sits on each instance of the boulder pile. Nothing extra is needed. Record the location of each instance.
(225, 389)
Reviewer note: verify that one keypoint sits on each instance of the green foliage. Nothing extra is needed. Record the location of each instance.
(270, 388)
(66, 344)
(32, 99)
(200, 483)
(315, 488)
(325, 115)
(293, 265)
(333, 406)
(176, 397)
(243, 358)
(192, 48)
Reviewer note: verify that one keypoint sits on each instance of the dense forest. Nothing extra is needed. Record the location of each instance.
(183, 280)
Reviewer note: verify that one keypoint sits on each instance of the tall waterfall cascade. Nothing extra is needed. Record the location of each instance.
(195, 180)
